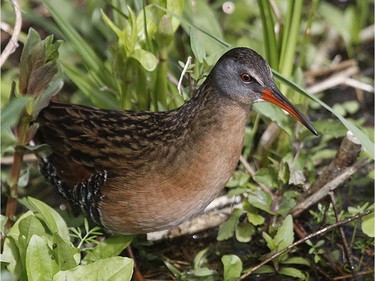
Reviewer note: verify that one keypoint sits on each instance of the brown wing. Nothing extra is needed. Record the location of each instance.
(86, 140)
(90, 145)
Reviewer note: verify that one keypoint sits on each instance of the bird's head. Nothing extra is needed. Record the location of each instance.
(245, 77)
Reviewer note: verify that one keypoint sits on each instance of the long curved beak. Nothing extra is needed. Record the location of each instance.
(274, 96)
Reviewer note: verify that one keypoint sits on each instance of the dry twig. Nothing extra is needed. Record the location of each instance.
(13, 41)
(215, 214)
(337, 172)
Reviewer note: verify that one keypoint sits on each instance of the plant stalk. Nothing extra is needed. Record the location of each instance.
(22, 130)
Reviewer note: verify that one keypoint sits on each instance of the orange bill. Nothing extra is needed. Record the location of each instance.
(274, 96)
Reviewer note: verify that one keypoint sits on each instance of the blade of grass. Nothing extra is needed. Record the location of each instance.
(290, 38)
(89, 57)
(90, 87)
(268, 23)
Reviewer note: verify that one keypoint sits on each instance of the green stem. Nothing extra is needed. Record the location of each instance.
(160, 90)
(22, 130)
(269, 33)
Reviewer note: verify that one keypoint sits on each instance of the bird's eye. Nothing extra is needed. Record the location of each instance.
(246, 78)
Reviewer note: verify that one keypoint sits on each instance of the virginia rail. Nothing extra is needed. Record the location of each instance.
(135, 171)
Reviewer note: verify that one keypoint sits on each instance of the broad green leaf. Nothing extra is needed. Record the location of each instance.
(3, 221)
(145, 58)
(15, 231)
(53, 87)
(285, 235)
(110, 269)
(40, 262)
(32, 40)
(40, 78)
(201, 15)
(254, 217)
(267, 176)
(30, 226)
(296, 260)
(265, 269)
(232, 267)
(196, 46)
(292, 272)
(11, 256)
(227, 228)
(244, 231)
(368, 225)
(261, 200)
(64, 252)
(175, 7)
(330, 127)
(110, 247)
(50, 217)
(285, 205)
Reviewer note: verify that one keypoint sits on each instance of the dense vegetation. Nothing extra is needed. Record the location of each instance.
(130, 55)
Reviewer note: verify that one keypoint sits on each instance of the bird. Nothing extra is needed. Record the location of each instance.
(135, 172)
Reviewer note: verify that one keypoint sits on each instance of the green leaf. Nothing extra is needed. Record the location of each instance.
(15, 231)
(265, 269)
(32, 40)
(52, 88)
(285, 235)
(270, 242)
(40, 78)
(293, 272)
(368, 225)
(110, 247)
(196, 46)
(3, 221)
(232, 267)
(244, 231)
(261, 200)
(267, 176)
(285, 205)
(40, 262)
(296, 260)
(30, 226)
(175, 7)
(254, 217)
(201, 15)
(49, 216)
(11, 112)
(11, 256)
(120, 33)
(110, 269)
(145, 58)
(199, 261)
(96, 66)
(90, 87)
(330, 127)
(64, 252)
(227, 228)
